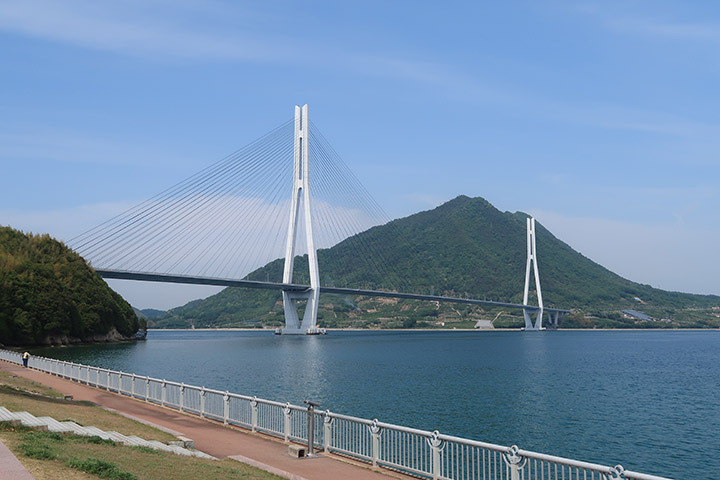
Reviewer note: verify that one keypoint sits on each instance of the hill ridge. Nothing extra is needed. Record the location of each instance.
(50, 295)
(464, 247)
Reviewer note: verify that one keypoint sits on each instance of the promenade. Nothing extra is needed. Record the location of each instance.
(211, 437)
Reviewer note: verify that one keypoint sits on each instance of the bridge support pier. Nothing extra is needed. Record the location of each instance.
(301, 194)
(554, 319)
(293, 326)
(532, 259)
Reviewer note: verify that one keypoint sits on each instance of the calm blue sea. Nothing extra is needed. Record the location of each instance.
(647, 400)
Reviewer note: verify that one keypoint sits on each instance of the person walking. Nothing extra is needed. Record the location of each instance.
(26, 357)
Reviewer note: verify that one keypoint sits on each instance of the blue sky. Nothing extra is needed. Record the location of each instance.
(600, 118)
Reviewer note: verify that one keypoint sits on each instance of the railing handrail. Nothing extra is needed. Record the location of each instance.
(282, 414)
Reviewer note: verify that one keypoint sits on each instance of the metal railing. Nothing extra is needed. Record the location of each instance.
(418, 452)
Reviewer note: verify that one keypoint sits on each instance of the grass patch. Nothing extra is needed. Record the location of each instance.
(99, 441)
(49, 456)
(39, 445)
(38, 451)
(100, 468)
(23, 384)
(147, 450)
(15, 398)
(39, 436)
(9, 427)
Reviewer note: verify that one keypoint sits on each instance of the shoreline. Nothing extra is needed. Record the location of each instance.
(272, 330)
(369, 330)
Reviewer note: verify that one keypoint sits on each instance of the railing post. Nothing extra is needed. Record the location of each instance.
(435, 444)
(327, 431)
(375, 433)
(226, 407)
(164, 393)
(288, 413)
(182, 396)
(119, 389)
(254, 417)
(132, 386)
(202, 402)
(147, 388)
(107, 383)
(311, 429)
(515, 462)
(617, 473)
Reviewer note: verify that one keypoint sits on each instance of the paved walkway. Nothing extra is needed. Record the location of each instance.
(214, 438)
(10, 467)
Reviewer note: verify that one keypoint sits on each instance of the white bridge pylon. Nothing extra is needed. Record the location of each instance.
(301, 194)
(532, 258)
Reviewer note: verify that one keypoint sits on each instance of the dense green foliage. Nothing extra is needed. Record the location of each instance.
(149, 312)
(463, 248)
(47, 290)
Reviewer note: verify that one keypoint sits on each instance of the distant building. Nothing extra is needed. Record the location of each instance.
(638, 315)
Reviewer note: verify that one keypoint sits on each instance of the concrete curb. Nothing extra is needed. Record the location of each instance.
(267, 468)
(10, 466)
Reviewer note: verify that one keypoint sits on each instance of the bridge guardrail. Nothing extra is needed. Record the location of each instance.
(419, 452)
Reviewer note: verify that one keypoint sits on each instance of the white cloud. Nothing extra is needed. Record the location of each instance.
(128, 28)
(215, 235)
(202, 32)
(662, 23)
(251, 229)
(666, 29)
(69, 146)
(62, 223)
(426, 199)
(670, 256)
(162, 296)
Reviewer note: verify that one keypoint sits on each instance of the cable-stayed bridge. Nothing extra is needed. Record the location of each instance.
(225, 222)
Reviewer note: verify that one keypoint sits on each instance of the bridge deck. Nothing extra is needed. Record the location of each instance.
(293, 287)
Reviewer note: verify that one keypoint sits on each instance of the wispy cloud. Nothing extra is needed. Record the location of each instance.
(668, 30)
(659, 24)
(665, 255)
(68, 146)
(424, 200)
(133, 28)
(165, 30)
(618, 117)
(62, 223)
(188, 31)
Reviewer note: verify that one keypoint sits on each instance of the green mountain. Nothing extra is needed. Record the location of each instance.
(49, 294)
(466, 248)
(149, 312)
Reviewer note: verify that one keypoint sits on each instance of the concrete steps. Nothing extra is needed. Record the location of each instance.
(55, 426)
(52, 425)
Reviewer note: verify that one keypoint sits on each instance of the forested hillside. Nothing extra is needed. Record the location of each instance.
(465, 247)
(48, 294)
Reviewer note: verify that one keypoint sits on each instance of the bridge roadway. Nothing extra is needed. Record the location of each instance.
(293, 287)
